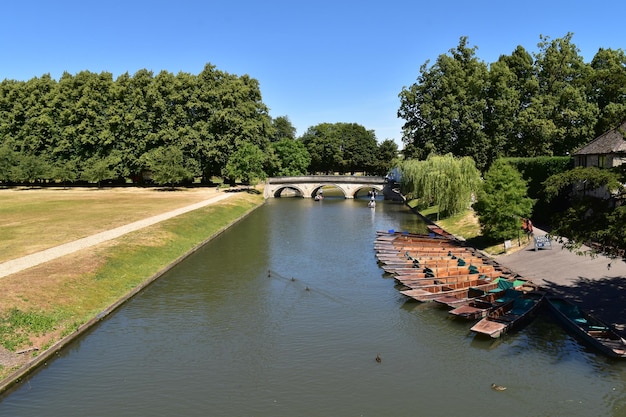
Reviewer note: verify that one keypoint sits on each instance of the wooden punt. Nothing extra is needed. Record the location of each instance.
(422, 282)
(416, 279)
(588, 328)
(430, 263)
(510, 316)
(479, 307)
(444, 272)
(425, 294)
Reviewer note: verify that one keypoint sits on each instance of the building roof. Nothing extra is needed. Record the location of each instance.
(612, 141)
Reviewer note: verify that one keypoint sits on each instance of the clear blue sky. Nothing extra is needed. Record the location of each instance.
(318, 61)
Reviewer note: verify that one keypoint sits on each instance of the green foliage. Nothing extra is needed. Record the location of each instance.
(88, 117)
(591, 217)
(246, 164)
(283, 129)
(65, 172)
(444, 111)
(443, 181)
(167, 165)
(343, 147)
(386, 157)
(523, 105)
(29, 169)
(584, 180)
(502, 201)
(291, 158)
(7, 162)
(98, 170)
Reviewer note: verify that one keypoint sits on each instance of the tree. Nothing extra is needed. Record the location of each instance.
(167, 165)
(386, 157)
(443, 181)
(98, 170)
(30, 168)
(8, 160)
(283, 129)
(444, 111)
(592, 217)
(608, 87)
(65, 172)
(343, 147)
(291, 156)
(246, 164)
(560, 116)
(502, 202)
(324, 146)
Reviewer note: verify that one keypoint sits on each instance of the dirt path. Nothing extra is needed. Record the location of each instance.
(10, 359)
(20, 264)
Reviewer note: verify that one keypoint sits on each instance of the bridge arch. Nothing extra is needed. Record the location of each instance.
(307, 186)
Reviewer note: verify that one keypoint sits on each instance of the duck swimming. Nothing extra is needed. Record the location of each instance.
(498, 387)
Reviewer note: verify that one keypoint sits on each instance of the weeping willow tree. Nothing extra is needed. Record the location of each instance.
(442, 181)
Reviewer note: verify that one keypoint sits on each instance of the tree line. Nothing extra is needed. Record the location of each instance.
(91, 127)
(523, 105)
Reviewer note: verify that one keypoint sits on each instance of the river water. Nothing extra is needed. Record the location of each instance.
(284, 315)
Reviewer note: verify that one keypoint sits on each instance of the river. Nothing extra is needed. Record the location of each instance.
(284, 315)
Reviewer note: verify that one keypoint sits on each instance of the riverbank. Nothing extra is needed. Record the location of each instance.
(64, 297)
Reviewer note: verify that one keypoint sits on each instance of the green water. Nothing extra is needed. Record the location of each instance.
(284, 315)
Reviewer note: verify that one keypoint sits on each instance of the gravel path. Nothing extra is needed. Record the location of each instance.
(16, 265)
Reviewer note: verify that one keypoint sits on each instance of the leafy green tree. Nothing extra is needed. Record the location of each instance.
(592, 216)
(292, 158)
(66, 172)
(343, 147)
(502, 202)
(246, 164)
(98, 170)
(283, 129)
(561, 116)
(324, 145)
(167, 165)
(608, 88)
(30, 168)
(443, 181)
(444, 110)
(386, 157)
(237, 116)
(8, 159)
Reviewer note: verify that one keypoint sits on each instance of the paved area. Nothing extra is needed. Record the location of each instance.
(598, 284)
(20, 264)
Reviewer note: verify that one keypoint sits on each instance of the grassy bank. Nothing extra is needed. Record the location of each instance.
(43, 304)
(466, 225)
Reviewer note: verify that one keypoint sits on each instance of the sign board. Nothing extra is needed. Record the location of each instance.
(507, 244)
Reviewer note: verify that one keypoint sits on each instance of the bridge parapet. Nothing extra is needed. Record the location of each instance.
(307, 185)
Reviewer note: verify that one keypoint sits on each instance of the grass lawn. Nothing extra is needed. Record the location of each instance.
(35, 219)
(42, 304)
(466, 225)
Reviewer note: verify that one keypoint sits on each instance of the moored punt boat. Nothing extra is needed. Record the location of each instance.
(481, 306)
(428, 262)
(417, 280)
(510, 316)
(472, 302)
(428, 293)
(445, 272)
(586, 327)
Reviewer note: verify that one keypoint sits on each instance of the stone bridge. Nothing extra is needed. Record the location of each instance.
(308, 186)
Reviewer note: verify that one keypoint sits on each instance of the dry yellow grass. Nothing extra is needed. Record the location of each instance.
(36, 219)
(74, 288)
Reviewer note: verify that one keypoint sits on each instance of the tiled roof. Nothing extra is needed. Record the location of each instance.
(612, 141)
